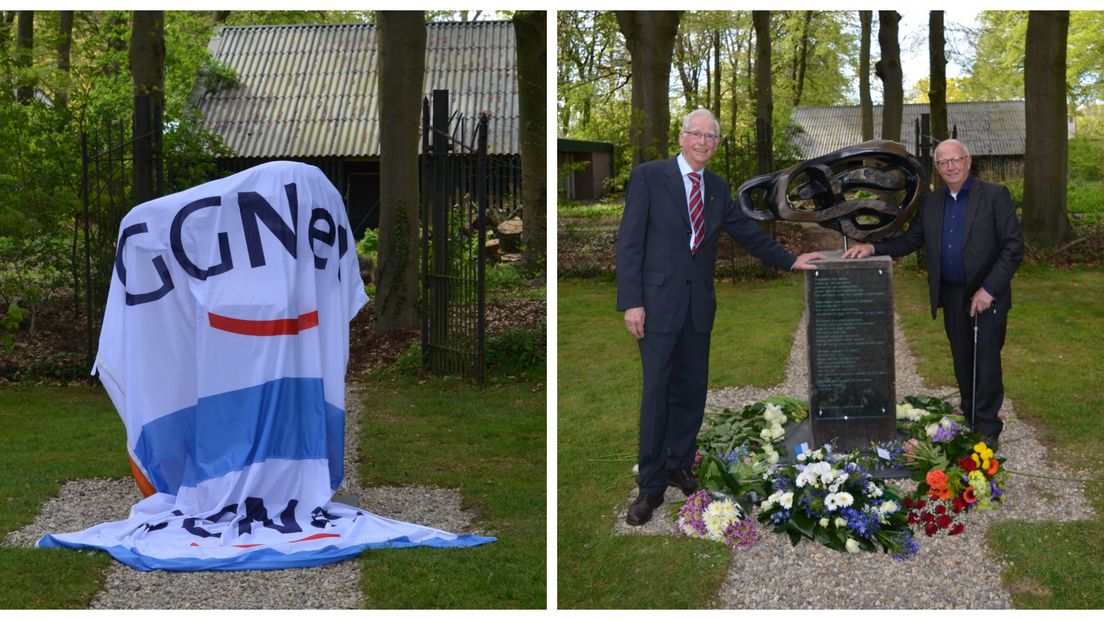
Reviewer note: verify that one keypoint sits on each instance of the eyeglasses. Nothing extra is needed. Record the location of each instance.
(943, 163)
(697, 135)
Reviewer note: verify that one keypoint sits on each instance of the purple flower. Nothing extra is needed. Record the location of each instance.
(995, 491)
(943, 435)
(697, 459)
(741, 533)
(905, 546)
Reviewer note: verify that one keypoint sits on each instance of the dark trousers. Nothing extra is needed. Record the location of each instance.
(959, 326)
(676, 372)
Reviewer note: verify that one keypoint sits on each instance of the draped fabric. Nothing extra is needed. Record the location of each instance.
(224, 348)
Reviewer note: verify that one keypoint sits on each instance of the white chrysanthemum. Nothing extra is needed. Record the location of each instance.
(771, 454)
(910, 413)
(718, 516)
(773, 414)
(686, 529)
(801, 457)
(838, 500)
(852, 545)
(833, 488)
(873, 490)
(786, 500)
(842, 477)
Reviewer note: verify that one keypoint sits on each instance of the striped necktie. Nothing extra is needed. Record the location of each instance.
(697, 213)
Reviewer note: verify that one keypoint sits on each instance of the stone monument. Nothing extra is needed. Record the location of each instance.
(866, 192)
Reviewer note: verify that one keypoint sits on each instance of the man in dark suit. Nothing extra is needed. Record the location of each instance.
(674, 212)
(974, 244)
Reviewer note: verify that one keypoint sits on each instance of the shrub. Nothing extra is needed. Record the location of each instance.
(517, 352)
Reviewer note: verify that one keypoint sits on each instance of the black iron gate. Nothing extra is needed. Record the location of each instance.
(454, 215)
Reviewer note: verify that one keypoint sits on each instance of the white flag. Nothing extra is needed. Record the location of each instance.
(224, 348)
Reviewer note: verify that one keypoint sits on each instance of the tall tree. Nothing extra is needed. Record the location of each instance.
(866, 106)
(716, 107)
(889, 71)
(1046, 152)
(937, 88)
(764, 97)
(147, 67)
(64, 52)
(801, 60)
(402, 46)
(650, 38)
(24, 55)
(530, 28)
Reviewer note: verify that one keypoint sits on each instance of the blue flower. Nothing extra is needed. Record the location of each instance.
(780, 516)
(905, 546)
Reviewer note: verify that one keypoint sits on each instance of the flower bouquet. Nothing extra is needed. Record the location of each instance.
(937, 516)
(722, 520)
(949, 463)
(832, 499)
(739, 449)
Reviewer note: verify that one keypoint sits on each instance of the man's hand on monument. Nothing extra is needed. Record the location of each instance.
(980, 302)
(861, 250)
(805, 261)
(634, 321)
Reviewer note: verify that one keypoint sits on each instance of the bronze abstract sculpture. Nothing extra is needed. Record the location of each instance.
(865, 191)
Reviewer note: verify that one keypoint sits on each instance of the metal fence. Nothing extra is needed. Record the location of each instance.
(454, 215)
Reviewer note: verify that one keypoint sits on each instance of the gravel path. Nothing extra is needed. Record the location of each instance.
(949, 572)
(83, 503)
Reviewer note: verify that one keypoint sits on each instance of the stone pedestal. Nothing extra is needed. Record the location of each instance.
(852, 397)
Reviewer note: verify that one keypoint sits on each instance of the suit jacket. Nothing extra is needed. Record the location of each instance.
(992, 249)
(654, 266)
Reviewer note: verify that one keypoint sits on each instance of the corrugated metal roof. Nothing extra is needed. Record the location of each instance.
(986, 128)
(311, 91)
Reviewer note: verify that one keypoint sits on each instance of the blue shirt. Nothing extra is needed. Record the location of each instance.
(954, 233)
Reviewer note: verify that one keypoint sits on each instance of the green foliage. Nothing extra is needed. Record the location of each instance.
(517, 352)
(33, 272)
(368, 246)
(996, 73)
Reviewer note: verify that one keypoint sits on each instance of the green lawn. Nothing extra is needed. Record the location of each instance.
(52, 435)
(598, 408)
(1054, 373)
(490, 444)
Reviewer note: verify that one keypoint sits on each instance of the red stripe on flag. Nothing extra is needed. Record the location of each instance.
(316, 537)
(274, 327)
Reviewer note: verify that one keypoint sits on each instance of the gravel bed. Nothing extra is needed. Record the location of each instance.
(84, 503)
(948, 573)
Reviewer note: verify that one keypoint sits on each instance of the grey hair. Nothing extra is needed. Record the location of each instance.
(952, 141)
(701, 112)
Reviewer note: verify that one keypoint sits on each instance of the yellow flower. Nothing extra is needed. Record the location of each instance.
(982, 455)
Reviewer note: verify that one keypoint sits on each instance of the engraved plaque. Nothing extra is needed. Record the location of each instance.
(851, 362)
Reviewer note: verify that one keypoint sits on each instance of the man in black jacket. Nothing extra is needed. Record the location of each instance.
(675, 210)
(974, 245)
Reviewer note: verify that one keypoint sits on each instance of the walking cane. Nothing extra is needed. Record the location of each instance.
(973, 388)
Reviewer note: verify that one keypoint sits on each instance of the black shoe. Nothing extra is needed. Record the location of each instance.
(684, 479)
(991, 442)
(640, 511)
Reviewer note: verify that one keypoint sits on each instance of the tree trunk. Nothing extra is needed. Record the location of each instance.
(530, 29)
(147, 66)
(688, 74)
(24, 56)
(650, 38)
(64, 49)
(937, 88)
(866, 107)
(889, 71)
(1045, 222)
(402, 45)
(764, 95)
(717, 74)
(802, 59)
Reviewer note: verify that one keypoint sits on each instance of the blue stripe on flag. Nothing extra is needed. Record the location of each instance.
(282, 419)
(264, 559)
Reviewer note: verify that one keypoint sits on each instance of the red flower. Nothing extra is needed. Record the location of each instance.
(908, 503)
(993, 464)
(921, 504)
(958, 505)
(913, 517)
(936, 479)
(967, 464)
(940, 509)
(957, 529)
(969, 496)
(926, 517)
(943, 521)
(930, 530)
